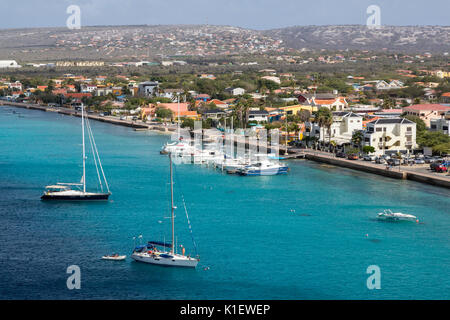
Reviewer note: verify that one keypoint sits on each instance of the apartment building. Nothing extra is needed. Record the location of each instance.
(441, 124)
(391, 135)
(341, 130)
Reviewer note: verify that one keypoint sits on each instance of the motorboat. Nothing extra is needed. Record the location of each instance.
(263, 168)
(388, 215)
(114, 257)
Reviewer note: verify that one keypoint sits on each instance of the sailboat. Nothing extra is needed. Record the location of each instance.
(77, 191)
(156, 252)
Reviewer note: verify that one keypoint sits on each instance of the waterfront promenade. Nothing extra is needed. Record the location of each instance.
(419, 173)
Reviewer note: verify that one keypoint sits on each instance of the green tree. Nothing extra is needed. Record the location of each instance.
(368, 149)
(324, 119)
(164, 113)
(420, 124)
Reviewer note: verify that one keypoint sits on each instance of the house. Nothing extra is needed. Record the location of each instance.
(77, 95)
(426, 112)
(214, 114)
(103, 91)
(307, 98)
(188, 114)
(235, 91)
(442, 124)
(258, 115)
(17, 85)
(177, 108)
(148, 88)
(390, 135)
(445, 97)
(202, 97)
(171, 94)
(272, 78)
(295, 109)
(338, 103)
(88, 88)
(219, 104)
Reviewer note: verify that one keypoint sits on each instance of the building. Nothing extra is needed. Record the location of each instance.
(258, 115)
(104, 91)
(177, 108)
(214, 114)
(235, 91)
(328, 100)
(88, 88)
(272, 78)
(390, 135)
(445, 97)
(9, 64)
(148, 88)
(341, 130)
(427, 112)
(171, 94)
(441, 124)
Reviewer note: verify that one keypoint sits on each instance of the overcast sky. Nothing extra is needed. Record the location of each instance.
(255, 14)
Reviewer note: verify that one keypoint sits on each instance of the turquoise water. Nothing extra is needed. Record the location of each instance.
(306, 235)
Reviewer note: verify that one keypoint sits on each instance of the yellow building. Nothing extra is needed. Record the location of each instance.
(295, 109)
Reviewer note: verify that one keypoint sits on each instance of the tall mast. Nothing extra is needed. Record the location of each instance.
(84, 151)
(178, 120)
(171, 200)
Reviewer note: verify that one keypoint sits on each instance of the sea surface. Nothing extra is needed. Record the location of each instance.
(310, 234)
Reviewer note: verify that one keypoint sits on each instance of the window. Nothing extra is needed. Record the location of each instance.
(409, 129)
(378, 129)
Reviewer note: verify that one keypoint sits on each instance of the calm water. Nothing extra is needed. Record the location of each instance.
(252, 243)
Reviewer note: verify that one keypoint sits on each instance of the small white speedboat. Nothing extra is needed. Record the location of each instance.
(115, 257)
(388, 215)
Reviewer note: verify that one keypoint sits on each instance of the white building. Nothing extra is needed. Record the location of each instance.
(9, 64)
(148, 88)
(441, 124)
(391, 135)
(172, 94)
(341, 130)
(235, 91)
(258, 115)
(88, 88)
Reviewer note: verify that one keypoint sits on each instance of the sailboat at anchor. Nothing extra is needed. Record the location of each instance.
(156, 252)
(77, 191)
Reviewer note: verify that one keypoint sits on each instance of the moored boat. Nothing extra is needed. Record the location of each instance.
(77, 191)
(263, 168)
(388, 215)
(155, 252)
(114, 257)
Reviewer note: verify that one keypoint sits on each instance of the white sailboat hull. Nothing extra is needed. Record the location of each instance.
(171, 260)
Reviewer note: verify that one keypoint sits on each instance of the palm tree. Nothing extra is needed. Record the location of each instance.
(324, 118)
(357, 138)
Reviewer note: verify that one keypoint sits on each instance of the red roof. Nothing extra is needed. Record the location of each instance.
(175, 106)
(446, 94)
(428, 107)
(77, 95)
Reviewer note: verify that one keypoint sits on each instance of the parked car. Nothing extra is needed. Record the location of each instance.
(352, 156)
(393, 162)
(438, 167)
(428, 159)
(369, 157)
(419, 161)
(340, 155)
(380, 160)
